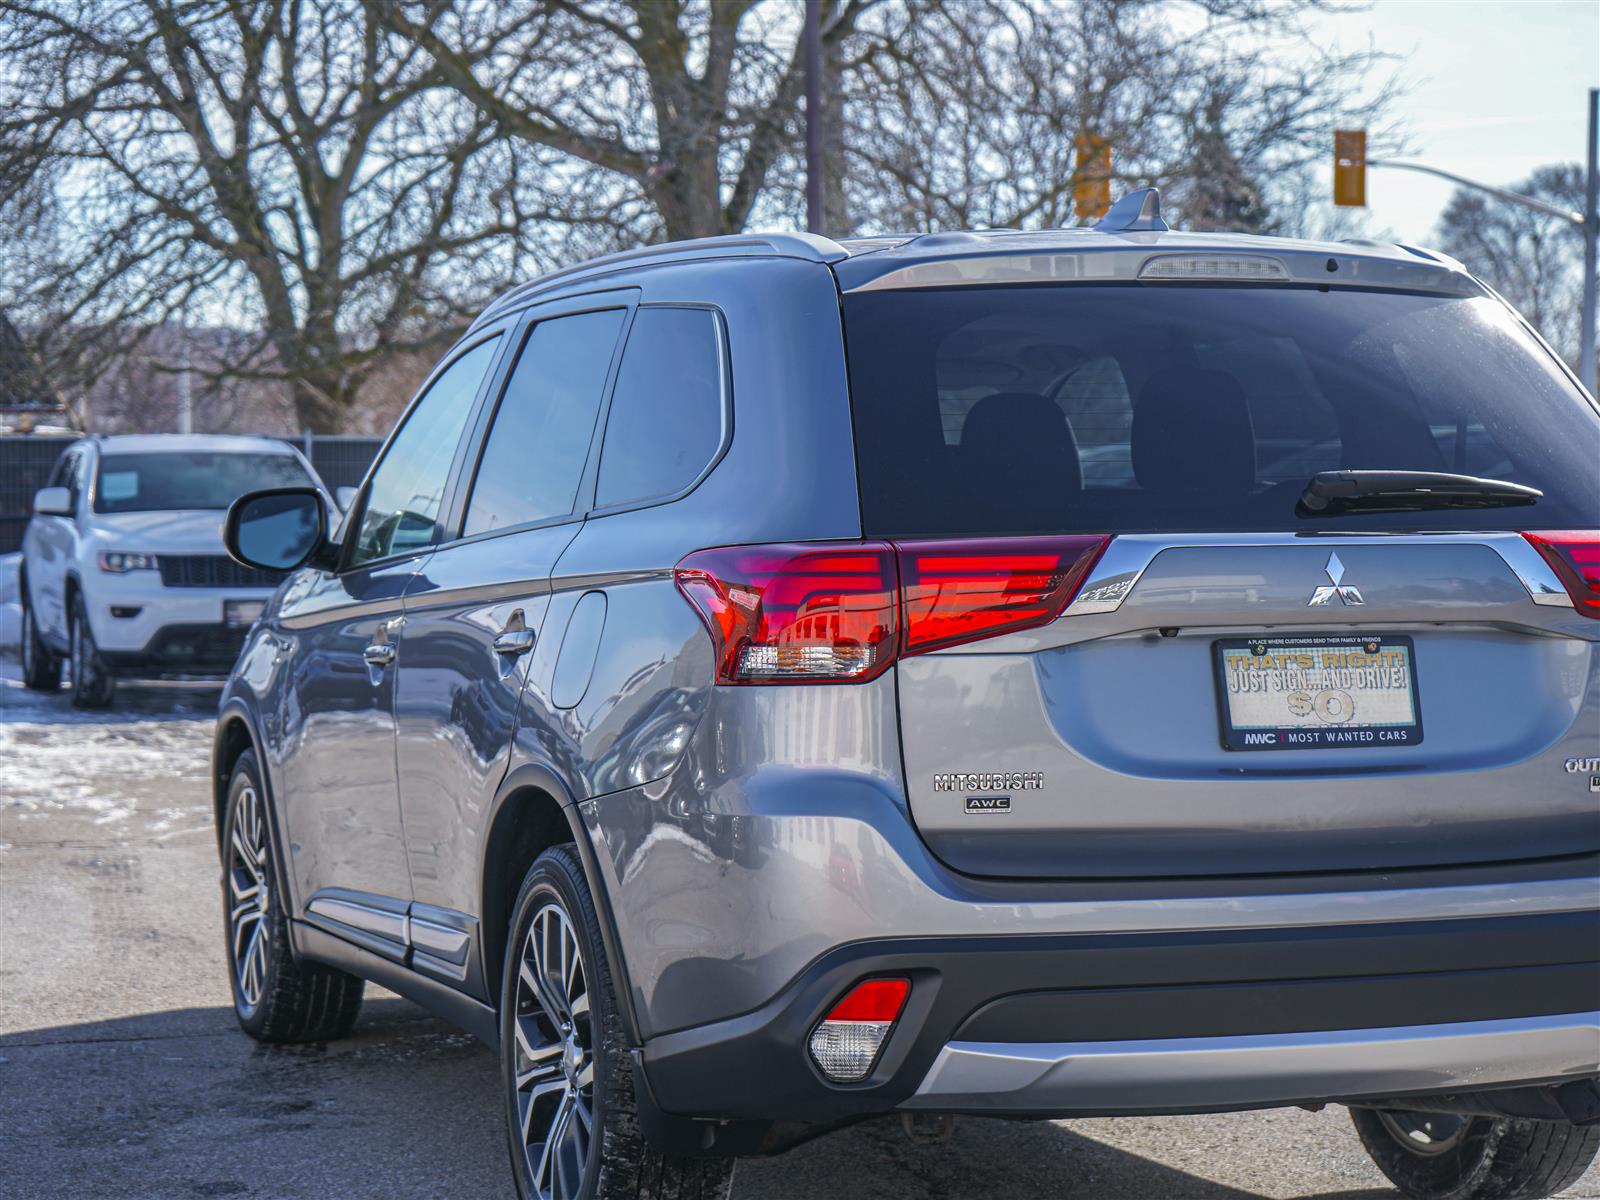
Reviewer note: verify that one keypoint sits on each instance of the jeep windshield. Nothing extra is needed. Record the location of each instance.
(189, 479)
(1112, 408)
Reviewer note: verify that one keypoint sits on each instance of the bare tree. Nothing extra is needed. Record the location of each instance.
(288, 165)
(1533, 260)
(968, 114)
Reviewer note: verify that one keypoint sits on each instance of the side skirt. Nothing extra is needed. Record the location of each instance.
(476, 1018)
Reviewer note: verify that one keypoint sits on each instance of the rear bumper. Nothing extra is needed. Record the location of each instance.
(1059, 1025)
(1255, 1071)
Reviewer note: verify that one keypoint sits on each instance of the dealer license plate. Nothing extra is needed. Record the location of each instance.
(1315, 693)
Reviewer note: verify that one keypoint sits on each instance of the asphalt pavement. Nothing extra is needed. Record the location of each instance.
(122, 1073)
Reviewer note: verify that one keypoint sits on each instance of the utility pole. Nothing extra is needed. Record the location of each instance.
(1591, 235)
(813, 48)
(185, 395)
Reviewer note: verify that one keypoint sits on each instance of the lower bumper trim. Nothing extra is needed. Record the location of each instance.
(1177, 1074)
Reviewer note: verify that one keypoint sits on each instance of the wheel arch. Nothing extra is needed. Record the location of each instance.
(533, 811)
(235, 733)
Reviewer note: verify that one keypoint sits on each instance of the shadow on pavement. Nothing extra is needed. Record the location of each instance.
(181, 1104)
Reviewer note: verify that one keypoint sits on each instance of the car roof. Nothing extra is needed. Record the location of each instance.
(211, 443)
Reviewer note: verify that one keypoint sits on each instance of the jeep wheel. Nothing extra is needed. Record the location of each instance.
(41, 670)
(276, 997)
(570, 1108)
(1437, 1156)
(91, 681)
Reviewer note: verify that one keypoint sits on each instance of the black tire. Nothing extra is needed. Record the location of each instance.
(41, 669)
(92, 684)
(277, 998)
(1476, 1158)
(584, 1042)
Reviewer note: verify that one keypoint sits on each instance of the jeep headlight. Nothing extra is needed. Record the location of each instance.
(120, 562)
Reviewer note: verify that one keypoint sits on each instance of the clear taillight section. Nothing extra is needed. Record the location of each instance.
(846, 1042)
(814, 612)
(1574, 554)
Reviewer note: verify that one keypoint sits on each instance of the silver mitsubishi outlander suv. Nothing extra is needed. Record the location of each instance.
(768, 682)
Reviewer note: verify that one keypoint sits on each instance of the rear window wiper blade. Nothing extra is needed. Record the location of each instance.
(1332, 492)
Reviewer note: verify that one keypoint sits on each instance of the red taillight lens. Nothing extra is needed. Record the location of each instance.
(796, 613)
(872, 1000)
(810, 613)
(1575, 556)
(962, 590)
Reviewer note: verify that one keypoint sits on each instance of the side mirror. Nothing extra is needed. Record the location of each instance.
(344, 497)
(276, 530)
(53, 502)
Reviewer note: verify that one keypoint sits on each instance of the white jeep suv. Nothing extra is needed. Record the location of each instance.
(123, 569)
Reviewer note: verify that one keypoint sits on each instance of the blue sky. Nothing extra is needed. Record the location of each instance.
(1494, 89)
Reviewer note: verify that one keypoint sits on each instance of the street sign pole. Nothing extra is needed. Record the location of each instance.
(1591, 234)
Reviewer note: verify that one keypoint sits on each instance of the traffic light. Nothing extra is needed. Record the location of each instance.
(1091, 188)
(1350, 168)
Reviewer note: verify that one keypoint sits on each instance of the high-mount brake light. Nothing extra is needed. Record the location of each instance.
(962, 590)
(845, 1043)
(1574, 555)
(821, 612)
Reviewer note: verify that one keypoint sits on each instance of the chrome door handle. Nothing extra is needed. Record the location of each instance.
(514, 642)
(379, 654)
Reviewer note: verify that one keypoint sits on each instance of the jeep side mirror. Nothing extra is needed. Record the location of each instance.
(276, 530)
(53, 502)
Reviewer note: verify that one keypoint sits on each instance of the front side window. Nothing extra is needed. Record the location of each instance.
(407, 489)
(665, 422)
(1122, 408)
(188, 479)
(539, 442)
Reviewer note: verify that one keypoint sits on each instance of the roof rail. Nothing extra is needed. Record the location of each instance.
(810, 246)
(1137, 212)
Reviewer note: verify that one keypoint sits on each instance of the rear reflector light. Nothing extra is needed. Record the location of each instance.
(846, 1042)
(1574, 555)
(1209, 267)
(805, 613)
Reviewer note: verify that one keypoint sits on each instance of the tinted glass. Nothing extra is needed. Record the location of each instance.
(539, 441)
(1106, 408)
(402, 509)
(189, 479)
(666, 413)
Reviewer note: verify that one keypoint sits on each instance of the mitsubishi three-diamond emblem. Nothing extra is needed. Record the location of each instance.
(1326, 593)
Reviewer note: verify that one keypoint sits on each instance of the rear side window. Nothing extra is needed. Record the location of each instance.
(665, 423)
(1143, 407)
(539, 442)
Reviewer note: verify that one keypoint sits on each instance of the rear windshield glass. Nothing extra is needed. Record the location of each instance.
(1137, 407)
(189, 479)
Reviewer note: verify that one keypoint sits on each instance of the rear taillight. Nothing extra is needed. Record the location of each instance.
(809, 613)
(845, 1043)
(960, 591)
(1574, 554)
(796, 613)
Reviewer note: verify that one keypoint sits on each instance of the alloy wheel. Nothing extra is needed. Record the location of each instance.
(553, 1057)
(1424, 1133)
(249, 894)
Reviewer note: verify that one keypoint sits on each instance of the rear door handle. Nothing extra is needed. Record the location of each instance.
(379, 654)
(514, 642)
